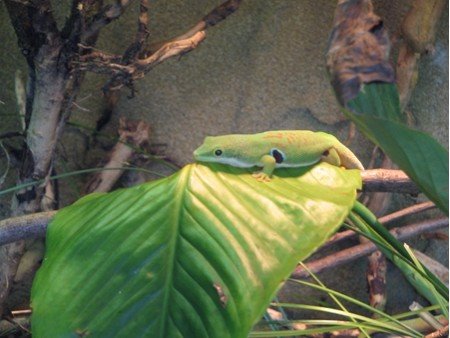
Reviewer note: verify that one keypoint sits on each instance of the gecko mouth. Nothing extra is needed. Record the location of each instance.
(229, 161)
(196, 155)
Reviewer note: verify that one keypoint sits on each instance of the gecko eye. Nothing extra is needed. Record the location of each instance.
(218, 152)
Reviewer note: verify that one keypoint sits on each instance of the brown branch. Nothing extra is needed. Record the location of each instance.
(337, 237)
(170, 49)
(340, 236)
(376, 279)
(132, 133)
(443, 332)
(107, 14)
(25, 227)
(142, 33)
(211, 19)
(124, 73)
(33, 23)
(376, 271)
(388, 180)
(92, 54)
(350, 254)
(221, 12)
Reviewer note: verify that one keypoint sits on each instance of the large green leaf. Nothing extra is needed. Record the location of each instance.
(197, 254)
(376, 111)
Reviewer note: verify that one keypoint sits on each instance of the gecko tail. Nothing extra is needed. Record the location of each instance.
(348, 159)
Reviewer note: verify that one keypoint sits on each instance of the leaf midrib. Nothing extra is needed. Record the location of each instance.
(173, 243)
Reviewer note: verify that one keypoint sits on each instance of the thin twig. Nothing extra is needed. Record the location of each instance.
(211, 19)
(439, 333)
(133, 134)
(10, 326)
(357, 251)
(124, 73)
(376, 278)
(11, 134)
(376, 271)
(104, 17)
(433, 266)
(414, 209)
(21, 312)
(142, 33)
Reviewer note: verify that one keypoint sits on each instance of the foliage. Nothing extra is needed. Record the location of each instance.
(423, 280)
(376, 112)
(197, 254)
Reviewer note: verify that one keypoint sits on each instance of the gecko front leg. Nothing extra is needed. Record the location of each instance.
(268, 166)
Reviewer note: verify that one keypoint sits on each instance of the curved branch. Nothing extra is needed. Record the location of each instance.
(130, 68)
(170, 49)
(357, 251)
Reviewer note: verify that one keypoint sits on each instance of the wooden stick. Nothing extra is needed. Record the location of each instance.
(357, 251)
(384, 180)
(340, 236)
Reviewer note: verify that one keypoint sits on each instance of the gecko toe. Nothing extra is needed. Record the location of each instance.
(261, 177)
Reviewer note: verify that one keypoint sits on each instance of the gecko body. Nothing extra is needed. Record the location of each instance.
(276, 149)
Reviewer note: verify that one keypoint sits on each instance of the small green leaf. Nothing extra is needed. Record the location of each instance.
(198, 254)
(376, 112)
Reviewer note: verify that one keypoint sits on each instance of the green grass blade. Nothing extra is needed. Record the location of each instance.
(357, 302)
(372, 224)
(74, 173)
(423, 280)
(384, 326)
(333, 297)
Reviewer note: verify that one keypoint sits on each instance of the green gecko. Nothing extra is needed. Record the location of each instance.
(276, 149)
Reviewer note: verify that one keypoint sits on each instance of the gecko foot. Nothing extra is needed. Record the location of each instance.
(260, 176)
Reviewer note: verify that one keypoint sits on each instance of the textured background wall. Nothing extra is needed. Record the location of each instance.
(262, 68)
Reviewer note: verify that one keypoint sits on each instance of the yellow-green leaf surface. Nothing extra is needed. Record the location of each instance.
(198, 254)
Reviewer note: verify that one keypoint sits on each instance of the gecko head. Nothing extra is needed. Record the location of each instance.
(212, 150)
(225, 149)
